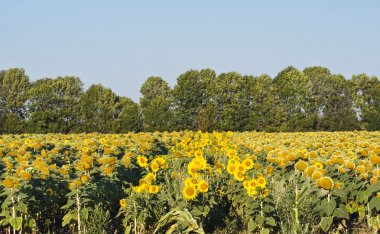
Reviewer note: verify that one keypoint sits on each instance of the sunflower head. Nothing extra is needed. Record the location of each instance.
(189, 192)
(202, 186)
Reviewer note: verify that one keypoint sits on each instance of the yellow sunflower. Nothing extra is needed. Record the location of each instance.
(202, 186)
(189, 192)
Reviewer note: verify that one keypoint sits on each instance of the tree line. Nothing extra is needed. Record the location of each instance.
(310, 100)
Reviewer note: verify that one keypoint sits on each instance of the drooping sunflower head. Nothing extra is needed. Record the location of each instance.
(8, 183)
(326, 183)
(301, 165)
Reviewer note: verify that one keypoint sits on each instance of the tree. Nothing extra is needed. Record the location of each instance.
(338, 113)
(233, 103)
(156, 105)
(53, 104)
(14, 86)
(366, 95)
(292, 88)
(205, 113)
(127, 116)
(188, 96)
(98, 109)
(319, 95)
(266, 112)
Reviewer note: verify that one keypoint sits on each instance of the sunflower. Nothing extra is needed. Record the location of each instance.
(261, 181)
(309, 171)
(318, 165)
(269, 170)
(154, 166)
(374, 180)
(142, 161)
(247, 164)
(361, 169)
(231, 167)
(154, 189)
(150, 177)
(264, 193)
(189, 192)
(341, 170)
(190, 181)
(325, 182)
(377, 150)
(239, 176)
(350, 165)
(25, 175)
(374, 159)
(316, 175)
(246, 184)
(84, 178)
(301, 165)
(191, 168)
(123, 202)
(49, 191)
(8, 183)
(252, 192)
(253, 183)
(202, 186)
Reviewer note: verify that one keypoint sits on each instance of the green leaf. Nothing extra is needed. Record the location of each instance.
(128, 229)
(373, 188)
(271, 221)
(342, 213)
(196, 212)
(67, 218)
(328, 206)
(361, 196)
(375, 203)
(264, 231)
(361, 211)
(326, 223)
(21, 195)
(260, 220)
(352, 207)
(31, 223)
(21, 207)
(68, 204)
(268, 209)
(16, 223)
(207, 210)
(251, 225)
(84, 213)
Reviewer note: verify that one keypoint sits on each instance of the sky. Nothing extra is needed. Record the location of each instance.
(121, 43)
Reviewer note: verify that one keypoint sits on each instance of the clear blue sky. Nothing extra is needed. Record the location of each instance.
(121, 43)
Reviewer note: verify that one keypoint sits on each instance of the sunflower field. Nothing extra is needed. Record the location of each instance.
(191, 182)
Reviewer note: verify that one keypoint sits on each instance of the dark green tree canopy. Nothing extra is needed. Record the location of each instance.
(53, 104)
(156, 105)
(314, 99)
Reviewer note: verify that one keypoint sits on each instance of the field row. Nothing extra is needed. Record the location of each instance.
(220, 182)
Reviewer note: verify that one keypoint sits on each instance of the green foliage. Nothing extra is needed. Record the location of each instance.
(128, 117)
(98, 109)
(310, 100)
(14, 86)
(99, 220)
(188, 98)
(53, 105)
(366, 95)
(156, 105)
